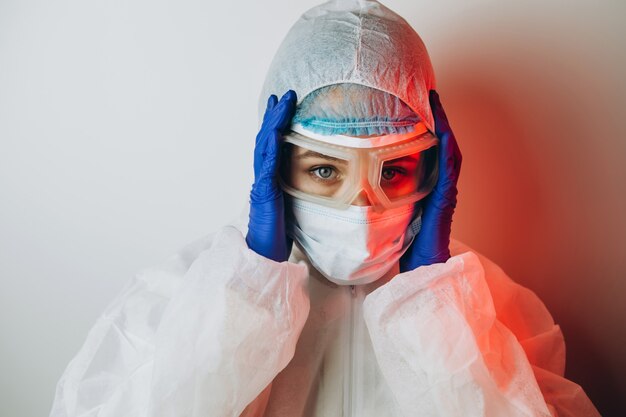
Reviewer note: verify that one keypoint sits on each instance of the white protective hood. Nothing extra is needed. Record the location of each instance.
(352, 41)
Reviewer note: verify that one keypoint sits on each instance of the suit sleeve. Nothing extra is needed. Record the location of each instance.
(446, 348)
(521, 310)
(203, 334)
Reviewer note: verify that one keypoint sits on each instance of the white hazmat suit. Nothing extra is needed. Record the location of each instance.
(220, 331)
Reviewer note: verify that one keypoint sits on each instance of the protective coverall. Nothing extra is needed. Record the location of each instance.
(219, 330)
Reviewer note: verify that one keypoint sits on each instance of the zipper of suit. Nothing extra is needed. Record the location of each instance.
(352, 377)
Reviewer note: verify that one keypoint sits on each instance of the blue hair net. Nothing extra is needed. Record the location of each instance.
(354, 110)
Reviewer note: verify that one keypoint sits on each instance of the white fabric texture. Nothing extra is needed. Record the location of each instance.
(218, 331)
(353, 41)
(200, 335)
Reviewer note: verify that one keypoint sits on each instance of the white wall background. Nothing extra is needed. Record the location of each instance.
(127, 129)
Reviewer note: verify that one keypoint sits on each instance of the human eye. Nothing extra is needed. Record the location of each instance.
(324, 173)
(392, 173)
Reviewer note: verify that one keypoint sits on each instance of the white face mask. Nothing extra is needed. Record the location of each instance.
(352, 246)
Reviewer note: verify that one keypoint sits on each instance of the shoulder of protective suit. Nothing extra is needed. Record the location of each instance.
(516, 306)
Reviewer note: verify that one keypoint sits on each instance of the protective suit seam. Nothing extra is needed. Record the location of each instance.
(357, 57)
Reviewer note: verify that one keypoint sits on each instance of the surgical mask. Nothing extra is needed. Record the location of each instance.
(352, 246)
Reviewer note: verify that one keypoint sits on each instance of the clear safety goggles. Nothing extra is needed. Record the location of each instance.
(390, 170)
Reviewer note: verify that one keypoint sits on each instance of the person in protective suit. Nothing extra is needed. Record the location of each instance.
(344, 294)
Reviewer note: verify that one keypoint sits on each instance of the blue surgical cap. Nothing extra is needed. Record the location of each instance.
(354, 110)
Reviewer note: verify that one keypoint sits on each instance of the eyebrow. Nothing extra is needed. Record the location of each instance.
(312, 154)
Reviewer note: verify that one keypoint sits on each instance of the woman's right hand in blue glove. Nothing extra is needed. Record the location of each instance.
(266, 226)
(431, 245)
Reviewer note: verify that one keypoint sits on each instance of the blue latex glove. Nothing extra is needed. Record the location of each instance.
(266, 226)
(431, 245)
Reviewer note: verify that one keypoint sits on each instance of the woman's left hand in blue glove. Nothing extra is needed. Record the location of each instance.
(431, 245)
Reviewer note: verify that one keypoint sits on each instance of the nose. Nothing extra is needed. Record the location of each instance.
(361, 199)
